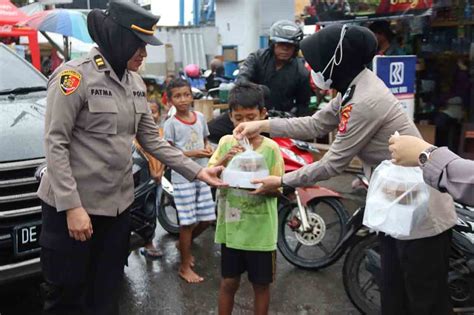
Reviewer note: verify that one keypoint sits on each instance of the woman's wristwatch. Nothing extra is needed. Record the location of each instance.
(425, 155)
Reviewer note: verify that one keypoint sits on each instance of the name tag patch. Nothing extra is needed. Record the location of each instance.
(100, 92)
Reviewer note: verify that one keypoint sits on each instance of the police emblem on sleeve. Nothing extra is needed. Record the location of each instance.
(345, 115)
(69, 81)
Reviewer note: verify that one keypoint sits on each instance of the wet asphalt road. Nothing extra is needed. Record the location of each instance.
(153, 287)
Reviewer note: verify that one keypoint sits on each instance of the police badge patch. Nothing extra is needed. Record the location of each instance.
(69, 81)
(345, 115)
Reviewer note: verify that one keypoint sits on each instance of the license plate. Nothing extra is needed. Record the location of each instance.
(27, 238)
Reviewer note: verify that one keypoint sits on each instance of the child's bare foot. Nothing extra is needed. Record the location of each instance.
(192, 263)
(189, 275)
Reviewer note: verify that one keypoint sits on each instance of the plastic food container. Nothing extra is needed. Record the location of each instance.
(244, 168)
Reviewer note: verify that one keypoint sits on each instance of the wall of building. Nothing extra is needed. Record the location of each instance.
(274, 10)
(156, 60)
(238, 24)
(241, 22)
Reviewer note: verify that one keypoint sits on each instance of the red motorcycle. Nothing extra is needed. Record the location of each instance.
(311, 219)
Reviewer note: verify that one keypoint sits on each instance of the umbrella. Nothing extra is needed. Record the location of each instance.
(68, 23)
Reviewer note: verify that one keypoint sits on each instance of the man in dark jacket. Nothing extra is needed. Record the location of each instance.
(279, 68)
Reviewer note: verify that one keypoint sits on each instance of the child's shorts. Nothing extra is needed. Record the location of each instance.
(194, 202)
(260, 266)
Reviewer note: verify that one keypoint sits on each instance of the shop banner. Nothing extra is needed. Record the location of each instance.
(321, 11)
(398, 74)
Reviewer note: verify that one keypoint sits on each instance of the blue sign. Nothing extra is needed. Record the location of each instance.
(397, 72)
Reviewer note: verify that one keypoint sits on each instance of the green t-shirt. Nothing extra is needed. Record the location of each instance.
(245, 221)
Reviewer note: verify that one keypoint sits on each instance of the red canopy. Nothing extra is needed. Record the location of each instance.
(11, 15)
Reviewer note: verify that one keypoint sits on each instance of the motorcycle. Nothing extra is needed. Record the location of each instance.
(312, 219)
(362, 264)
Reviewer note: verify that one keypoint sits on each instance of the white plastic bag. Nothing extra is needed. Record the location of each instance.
(245, 167)
(397, 200)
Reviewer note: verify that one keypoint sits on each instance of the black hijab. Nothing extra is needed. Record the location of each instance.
(115, 42)
(359, 48)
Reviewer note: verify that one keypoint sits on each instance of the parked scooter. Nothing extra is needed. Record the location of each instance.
(311, 219)
(362, 265)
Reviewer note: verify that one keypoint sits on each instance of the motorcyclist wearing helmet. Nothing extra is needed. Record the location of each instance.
(192, 73)
(279, 68)
(415, 268)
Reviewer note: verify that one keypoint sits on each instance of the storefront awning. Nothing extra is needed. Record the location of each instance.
(324, 12)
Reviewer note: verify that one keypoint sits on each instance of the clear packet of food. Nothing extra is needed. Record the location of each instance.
(245, 167)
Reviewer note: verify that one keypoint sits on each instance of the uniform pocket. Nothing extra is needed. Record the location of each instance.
(102, 116)
(141, 107)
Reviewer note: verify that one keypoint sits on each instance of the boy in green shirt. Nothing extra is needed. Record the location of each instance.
(247, 223)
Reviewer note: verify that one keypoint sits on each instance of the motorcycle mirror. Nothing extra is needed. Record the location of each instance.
(207, 73)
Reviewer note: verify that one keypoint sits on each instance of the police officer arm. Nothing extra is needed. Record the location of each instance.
(356, 129)
(61, 113)
(444, 170)
(450, 173)
(352, 137)
(320, 124)
(148, 137)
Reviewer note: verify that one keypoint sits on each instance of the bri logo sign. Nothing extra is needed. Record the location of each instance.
(397, 72)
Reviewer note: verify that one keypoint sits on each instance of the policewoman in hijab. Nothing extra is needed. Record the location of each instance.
(365, 115)
(95, 107)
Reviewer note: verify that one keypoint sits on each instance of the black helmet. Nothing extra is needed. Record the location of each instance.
(285, 31)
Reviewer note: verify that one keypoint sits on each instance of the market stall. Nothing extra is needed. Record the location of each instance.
(440, 33)
(10, 15)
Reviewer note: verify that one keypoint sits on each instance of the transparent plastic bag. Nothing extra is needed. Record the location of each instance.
(397, 200)
(245, 167)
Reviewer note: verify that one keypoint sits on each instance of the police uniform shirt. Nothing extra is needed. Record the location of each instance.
(365, 118)
(89, 138)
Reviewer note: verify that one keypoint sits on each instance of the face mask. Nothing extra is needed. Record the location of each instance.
(318, 77)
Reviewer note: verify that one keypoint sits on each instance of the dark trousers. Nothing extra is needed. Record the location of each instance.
(414, 275)
(83, 277)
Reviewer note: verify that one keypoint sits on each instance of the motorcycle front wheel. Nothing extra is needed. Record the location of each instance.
(167, 214)
(312, 249)
(361, 275)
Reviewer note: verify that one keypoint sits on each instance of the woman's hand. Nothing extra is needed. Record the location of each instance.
(79, 224)
(269, 185)
(251, 129)
(406, 149)
(210, 175)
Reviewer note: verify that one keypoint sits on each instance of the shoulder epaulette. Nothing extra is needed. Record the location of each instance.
(99, 61)
(348, 95)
